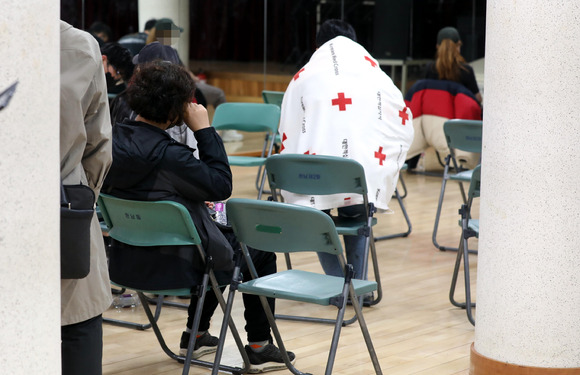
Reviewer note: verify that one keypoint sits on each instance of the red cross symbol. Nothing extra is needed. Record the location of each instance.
(308, 153)
(297, 75)
(374, 64)
(284, 137)
(341, 101)
(404, 115)
(379, 155)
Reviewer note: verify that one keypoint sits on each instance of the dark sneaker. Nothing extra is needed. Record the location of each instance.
(269, 359)
(204, 344)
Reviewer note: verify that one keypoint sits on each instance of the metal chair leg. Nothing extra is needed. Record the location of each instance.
(448, 160)
(463, 252)
(208, 279)
(137, 326)
(407, 220)
(159, 302)
(366, 334)
(227, 321)
(403, 185)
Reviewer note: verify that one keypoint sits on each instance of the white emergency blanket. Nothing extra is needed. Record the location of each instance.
(342, 104)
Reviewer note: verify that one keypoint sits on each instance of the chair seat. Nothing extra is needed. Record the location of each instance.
(350, 227)
(246, 161)
(464, 176)
(297, 285)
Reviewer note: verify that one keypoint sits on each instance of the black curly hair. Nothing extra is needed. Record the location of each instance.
(159, 91)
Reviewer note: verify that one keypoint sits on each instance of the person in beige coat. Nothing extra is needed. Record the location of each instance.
(85, 157)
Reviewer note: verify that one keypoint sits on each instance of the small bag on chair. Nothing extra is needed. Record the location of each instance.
(77, 206)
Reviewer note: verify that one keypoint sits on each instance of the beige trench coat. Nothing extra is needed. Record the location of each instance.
(85, 157)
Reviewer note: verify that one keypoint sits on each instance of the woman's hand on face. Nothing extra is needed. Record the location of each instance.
(196, 117)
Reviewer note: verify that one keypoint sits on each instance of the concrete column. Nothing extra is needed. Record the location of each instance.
(528, 282)
(178, 11)
(29, 189)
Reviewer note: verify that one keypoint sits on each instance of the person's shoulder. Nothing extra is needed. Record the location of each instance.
(177, 155)
(429, 71)
(73, 39)
(132, 38)
(467, 67)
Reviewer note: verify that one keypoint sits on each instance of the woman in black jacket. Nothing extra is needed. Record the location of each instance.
(149, 165)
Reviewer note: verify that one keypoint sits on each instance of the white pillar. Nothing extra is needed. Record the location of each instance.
(29, 189)
(528, 282)
(178, 11)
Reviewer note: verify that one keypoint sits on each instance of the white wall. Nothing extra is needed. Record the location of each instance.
(528, 282)
(29, 189)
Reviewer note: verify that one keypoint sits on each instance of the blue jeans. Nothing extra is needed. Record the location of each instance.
(354, 247)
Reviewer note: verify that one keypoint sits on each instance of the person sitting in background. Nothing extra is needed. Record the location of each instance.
(167, 33)
(101, 32)
(342, 104)
(136, 41)
(449, 64)
(148, 165)
(118, 66)
(120, 109)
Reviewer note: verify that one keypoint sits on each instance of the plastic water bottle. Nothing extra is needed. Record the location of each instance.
(129, 300)
(220, 213)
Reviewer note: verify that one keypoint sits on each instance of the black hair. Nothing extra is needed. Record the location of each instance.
(119, 57)
(159, 91)
(332, 28)
(150, 24)
(99, 27)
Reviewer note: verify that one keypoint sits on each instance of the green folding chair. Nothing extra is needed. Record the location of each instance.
(165, 223)
(159, 301)
(462, 135)
(272, 227)
(250, 117)
(324, 175)
(273, 97)
(469, 229)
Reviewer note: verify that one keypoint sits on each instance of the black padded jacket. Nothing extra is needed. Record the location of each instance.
(149, 165)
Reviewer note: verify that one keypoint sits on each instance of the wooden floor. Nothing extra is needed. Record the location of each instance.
(414, 328)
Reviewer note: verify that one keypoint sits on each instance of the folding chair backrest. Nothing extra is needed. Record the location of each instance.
(140, 223)
(474, 186)
(273, 97)
(316, 174)
(281, 227)
(249, 117)
(463, 135)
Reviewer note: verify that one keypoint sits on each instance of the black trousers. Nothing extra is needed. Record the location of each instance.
(82, 347)
(257, 326)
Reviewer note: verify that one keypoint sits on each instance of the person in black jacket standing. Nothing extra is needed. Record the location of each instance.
(149, 165)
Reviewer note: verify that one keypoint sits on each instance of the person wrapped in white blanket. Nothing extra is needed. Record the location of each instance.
(342, 104)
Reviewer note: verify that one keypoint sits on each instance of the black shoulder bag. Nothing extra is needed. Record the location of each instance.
(77, 206)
